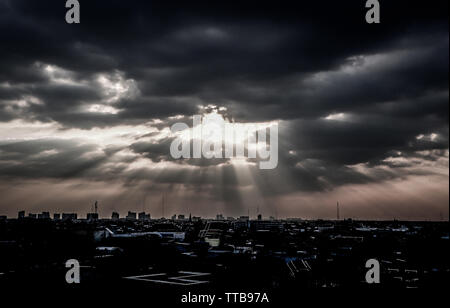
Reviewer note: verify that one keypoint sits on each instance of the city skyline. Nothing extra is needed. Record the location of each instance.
(251, 213)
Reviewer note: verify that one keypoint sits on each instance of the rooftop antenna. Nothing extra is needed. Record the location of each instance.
(143, 203)
(337, 211)
(162, 205)
(96, 206)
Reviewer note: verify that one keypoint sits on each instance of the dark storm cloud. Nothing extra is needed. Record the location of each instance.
(48, 158)
(258, 56)
(294, 62)
(156, 151)
(363, 139)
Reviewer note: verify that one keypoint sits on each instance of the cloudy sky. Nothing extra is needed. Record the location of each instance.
(362, 110)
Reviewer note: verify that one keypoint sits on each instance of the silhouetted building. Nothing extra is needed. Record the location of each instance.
(69, 216)
(115, 216)
(44, 215)
(180, 217)
(56, 216)
(92, 216)
(31, 215)
(131, 215)
(219, 217)
(21, 215)
(259, 217)
(144, 217)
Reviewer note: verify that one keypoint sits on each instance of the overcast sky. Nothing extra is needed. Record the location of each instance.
(362, 109)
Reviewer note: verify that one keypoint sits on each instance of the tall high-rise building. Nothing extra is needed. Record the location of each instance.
(143, 216)
(115, 216)
(131, 215)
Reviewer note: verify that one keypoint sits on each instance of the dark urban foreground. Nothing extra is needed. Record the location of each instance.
(172, 257)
